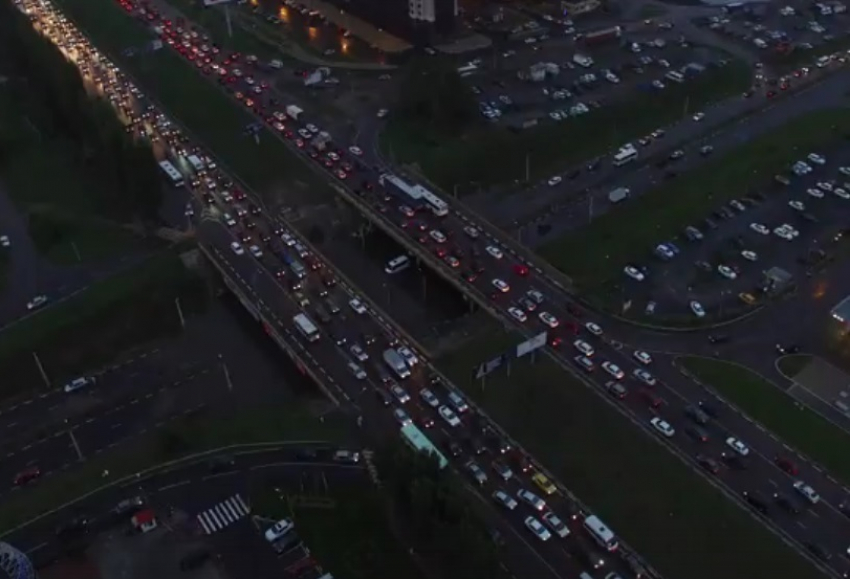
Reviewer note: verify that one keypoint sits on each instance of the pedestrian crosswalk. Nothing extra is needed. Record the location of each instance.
(222, 514)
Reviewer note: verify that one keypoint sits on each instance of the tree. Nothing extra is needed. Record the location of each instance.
(432, 93)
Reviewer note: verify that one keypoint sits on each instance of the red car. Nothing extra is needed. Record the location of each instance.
(520, 269)
(786, 465)
(26, 476)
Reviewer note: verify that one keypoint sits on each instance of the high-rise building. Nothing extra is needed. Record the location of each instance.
(419, 21)
(439, 14)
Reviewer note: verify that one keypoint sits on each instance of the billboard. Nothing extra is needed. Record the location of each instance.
(489, 366)
(531, 344)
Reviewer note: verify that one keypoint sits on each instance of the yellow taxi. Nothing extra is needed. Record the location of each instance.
(544, 484)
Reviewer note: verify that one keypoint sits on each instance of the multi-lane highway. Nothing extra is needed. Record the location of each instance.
(475, 258)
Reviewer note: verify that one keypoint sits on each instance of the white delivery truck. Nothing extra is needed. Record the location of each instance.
(321, 141)
(294, 111)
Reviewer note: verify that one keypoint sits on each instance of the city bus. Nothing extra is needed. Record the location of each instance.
(626, 154)
(416, 440)
(174, 176)
(306, 326)
(437, 206)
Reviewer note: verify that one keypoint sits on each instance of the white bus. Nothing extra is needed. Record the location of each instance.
(601, 533)
(397, 264)
(411, 195)
(172, 173)
(306, 326)
(626, 154)
(437, 206)
(396, 363)
(196, 163)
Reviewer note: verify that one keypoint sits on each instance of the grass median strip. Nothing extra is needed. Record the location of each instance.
(676, 520)
(497, 155)
(596, 254)
(196, 102)
(765, 403)
(792, 365)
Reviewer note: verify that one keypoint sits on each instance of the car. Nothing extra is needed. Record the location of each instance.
(839, 192)
(697, 309)
(438, 236)
(662, 426)
(593, 328)
(555, 180)
(708, 463)
(807, 491)
(429, 398)
(503, 470)
(356, 151)
(706, 150)
(402, 417)
(494, 251)
(548, 319)
(816, 159)
(537, 528)
(78, 384)
(471, 231)
(477, 472)
(278, 530)
(796, 205)
(614, 370)
(749, 255)
(585, 363)
(642, 357)
(520, 269)
(36, 302)
(358, 352)
(786, 465)
(504, 499)
(698, 116)
(501, 285)
(4, 241)
(759, 228)
(786, 504)
(517, 314)
(737, 446)
(256, 251)
(826, 186)
(726, 272)
(583, 347)
(449, 416)
(357, 306)
(556, 525)
(237, 248)
(644, 376)
(408, 355)
(400, 394)
(634, 273)
(544, 484)
(814, 192)
(26, 476)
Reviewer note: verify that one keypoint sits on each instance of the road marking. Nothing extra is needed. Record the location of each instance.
(175, 485)
(134, 401)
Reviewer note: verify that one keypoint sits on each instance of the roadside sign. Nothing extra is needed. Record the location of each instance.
(489, 366)
(531, 344)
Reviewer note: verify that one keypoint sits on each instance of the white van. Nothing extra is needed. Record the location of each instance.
(397, 264)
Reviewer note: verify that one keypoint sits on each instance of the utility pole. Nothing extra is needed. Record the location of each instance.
(227, 379)
(180, 313)
(74, 442)
(229, 24)
(41, 369)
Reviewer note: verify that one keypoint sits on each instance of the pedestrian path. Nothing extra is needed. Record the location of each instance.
(222, 514)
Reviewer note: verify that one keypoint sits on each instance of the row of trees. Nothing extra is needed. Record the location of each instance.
(445, 527)
(51, 93)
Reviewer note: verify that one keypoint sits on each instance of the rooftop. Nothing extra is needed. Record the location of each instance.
(841, 311)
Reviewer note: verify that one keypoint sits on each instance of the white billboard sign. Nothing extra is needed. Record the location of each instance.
(531, 344)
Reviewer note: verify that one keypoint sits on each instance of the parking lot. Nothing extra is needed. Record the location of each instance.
(784, 32)
(716, 266)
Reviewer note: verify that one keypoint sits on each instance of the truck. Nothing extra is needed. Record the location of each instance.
(396, 363)
(619, 194)
(598, 36)
(294, 111)
(321, 141)
(196, 163)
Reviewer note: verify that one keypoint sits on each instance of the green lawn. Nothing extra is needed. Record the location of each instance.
(94, 326)
(794, 364)
(371, 552)
(778, 412)
(669, 514)
(496, 155)
(597, 253)
(198, 104)
(273, 423)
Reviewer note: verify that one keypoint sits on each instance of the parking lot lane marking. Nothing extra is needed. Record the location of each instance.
(219, 475)
(174, 485)
(802, 526)
(772, 483)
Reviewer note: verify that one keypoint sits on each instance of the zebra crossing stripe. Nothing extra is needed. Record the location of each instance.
(206, 524)
(242, 504)
(222, 514)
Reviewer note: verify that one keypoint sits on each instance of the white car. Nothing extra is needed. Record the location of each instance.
(663, 427)
(471, 231)
(517, 314)
(583, 347)
(4, 241)
(278, 530)
(759, 228)
(593, 328)
(237, 248)
(256, 251)
(698, 116)
(505, 500)
(494, 251)
(634, 273)
(402, 417)
(737, 446)
(796, 205)
(844, 171)
(548, 319)
(357, 306)
(535, 296)
(531, 499)
(312, 128)
(784, 233)
(228, 220)
(825, 185)
(358, 352)
(556, 525)
(356, 151)
(749, 255)
(613, 370)
(642, 357)
(556, 180)
(501, 285)
(816, 159)
(78, 383)
(814, 192)
(437, 236)
(429, 398)
(807, 491)
(449, 416)
(408, 355)
(839, 192)
(727, 272)
(697, 309)
(644, 376)
(537, 528)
